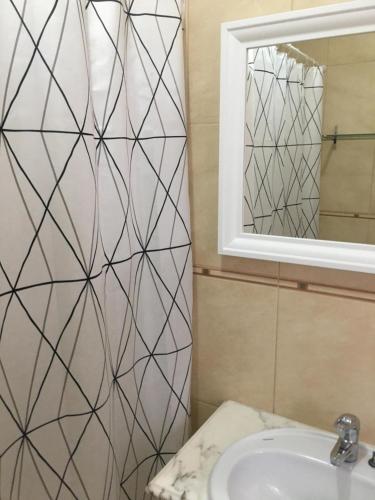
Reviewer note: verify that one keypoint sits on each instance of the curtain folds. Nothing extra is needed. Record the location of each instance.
(95, 247)
(282, 145)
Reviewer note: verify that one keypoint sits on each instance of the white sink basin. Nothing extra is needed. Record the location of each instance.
(290, 464)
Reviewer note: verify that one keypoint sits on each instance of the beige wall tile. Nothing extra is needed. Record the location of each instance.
(200, 412)
(372, 196)
(204, 146)
(317, 49)
(249, 266)
(307, 4)
(204, 22)
(351, 49)
(346, 174)
(350, 98)
(204, 193)
(351, 229)
(329, 277)
(234, 342)
(371, 232)
(325, 359)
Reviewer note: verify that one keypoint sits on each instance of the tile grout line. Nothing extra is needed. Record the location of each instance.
(276, 342)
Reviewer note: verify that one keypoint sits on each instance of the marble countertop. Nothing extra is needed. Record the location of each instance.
(185, 477)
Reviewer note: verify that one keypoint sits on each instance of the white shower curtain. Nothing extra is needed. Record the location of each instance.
(282, 145)
(95, 261)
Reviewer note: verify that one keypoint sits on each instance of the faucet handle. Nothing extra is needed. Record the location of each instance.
(348, 426)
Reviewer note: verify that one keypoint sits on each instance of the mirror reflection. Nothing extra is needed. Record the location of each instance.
(309, 159)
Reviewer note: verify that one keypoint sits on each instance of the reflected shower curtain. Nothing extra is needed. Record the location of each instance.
(282, 145)
(95, 262)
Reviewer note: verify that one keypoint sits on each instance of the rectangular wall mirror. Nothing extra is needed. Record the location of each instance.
(297, 137)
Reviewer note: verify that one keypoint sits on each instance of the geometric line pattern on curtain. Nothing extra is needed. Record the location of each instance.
(95, 247)
(282, 145)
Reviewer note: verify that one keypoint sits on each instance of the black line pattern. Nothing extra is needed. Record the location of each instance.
(95, 248)
(282, 145)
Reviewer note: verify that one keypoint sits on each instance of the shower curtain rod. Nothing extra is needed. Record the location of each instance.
(292, 48)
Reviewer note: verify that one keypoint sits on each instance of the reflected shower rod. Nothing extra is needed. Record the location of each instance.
(288, 47)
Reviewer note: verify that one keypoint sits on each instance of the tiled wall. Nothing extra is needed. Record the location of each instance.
(347, 184)
(296, 340)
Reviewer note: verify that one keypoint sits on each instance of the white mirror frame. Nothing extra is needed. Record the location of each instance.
(236, 38)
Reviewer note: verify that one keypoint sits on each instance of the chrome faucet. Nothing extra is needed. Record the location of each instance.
(346, 449)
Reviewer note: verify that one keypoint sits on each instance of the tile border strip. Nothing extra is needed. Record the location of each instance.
(285, 284)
